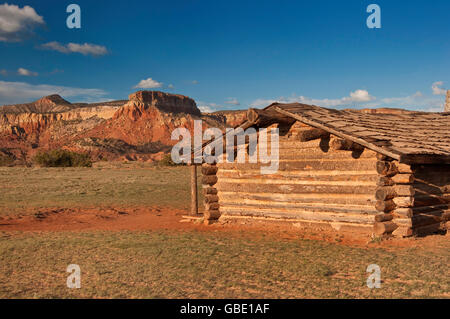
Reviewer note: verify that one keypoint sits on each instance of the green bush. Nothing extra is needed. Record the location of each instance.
(6, 160)
(62, 158)
(167, 161)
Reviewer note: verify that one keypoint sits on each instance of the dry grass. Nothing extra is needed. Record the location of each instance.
(208, 265)
(186, 264)
(130, 184)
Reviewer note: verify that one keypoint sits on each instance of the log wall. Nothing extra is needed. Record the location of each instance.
(411, 200)
(321, 179)
(431, 211)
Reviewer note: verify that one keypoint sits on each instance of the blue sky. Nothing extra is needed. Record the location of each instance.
(229, 54)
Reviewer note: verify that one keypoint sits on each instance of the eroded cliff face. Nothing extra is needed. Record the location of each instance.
(232, 118)
(151, 116)
(47, 104)
(29, 123)
(141, 102)
(36, 117)
(137, 129)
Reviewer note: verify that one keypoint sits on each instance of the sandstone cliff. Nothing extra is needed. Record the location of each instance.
(151, 116)
(138, 129)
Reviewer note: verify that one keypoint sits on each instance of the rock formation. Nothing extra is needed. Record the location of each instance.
(139, 128)
(141, 101)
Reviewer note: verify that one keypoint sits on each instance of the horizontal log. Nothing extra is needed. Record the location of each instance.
(390, 192)
(295, 144)
(209, 169)
(434, 177)
(264, 118)
(383, 218)
(292, 188)
(396, 179)
(432, 189)
(318, 154)
(404, 201)
(313, 207)
(337, 175)
(209, 180)
(385, 206)
(345, 145)
(404, 190)
(264, 179)
(403, 231)
(430, 199)
(418, 221)
(432, 208)
(209, 199)
(384, 228)
(403, 212)
(385, 168)
(356, 200)
(210, 191)
(429, 229)
(312, 165)
(297, 215)
(312, 134)
(403, 179)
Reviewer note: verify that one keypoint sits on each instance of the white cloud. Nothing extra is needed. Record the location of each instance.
(17, 23)
(205, 109)
(403, 101)
(356, 97)
(436, 88)
(417, 101)
(3, 72)
(232, 101)
(362, 99)
(359, 96)
(208, 107)
(195, 82)
(170, 86)
(85, 49)
(21, 92)
(25, 72)
(148, 84)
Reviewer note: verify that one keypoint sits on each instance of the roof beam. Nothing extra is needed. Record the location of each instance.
(339, 134)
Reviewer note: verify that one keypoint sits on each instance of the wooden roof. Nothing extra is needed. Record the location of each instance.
(413, 137)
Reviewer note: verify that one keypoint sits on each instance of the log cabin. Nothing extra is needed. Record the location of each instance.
(368, 172)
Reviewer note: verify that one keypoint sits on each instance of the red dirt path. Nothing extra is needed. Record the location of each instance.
(145, 218)
(112, 219)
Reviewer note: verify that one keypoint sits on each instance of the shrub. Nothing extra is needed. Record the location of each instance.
(62, 158)
(6, 160)
(167, 161)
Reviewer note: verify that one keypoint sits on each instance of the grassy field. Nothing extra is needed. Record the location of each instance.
(125, 185)
(208, 265)
(188, 263)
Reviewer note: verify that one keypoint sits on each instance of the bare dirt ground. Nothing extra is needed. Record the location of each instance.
(123, 226)
(151, 219)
